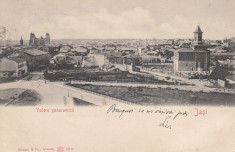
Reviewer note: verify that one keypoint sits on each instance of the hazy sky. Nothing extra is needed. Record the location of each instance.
(90, 19)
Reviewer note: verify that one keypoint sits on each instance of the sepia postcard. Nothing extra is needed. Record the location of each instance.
(117, 76)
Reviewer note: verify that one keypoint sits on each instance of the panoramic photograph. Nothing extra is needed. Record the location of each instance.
(168, 53)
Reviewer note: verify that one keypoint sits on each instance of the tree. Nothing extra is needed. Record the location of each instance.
(168, 54)
(219, 73)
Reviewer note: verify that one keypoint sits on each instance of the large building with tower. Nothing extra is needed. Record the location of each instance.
(195, 58)
(39, 41)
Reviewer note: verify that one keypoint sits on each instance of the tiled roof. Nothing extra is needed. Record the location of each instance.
(149, 57)
(218, 54)
(116, 54)
(186, 50)
(35, 52)
(132, 56)
(17, 59)
(7, 65)
(191, 50)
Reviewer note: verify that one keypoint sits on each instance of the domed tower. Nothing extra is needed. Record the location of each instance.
(48, 38)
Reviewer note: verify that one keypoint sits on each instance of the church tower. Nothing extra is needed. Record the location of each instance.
(32, 39)
(21, 41)
(198, 36)
(48, 38)
(196, 58)
(198, 43)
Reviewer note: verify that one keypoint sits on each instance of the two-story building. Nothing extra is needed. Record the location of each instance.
(35, 58)
(12, 67)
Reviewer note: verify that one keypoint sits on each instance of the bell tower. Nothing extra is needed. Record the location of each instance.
(198, 36)
(21, 41)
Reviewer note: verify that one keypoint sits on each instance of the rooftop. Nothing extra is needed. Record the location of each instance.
(191, 50)
(35, 52)
(231, 77)
(218, 54)
(17, 59)
(115, 54)
(198, 30)
(132, 56)
(6, 65)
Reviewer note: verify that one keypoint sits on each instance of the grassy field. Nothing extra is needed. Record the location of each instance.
(115, 76)
(161, 96)
(19, 97)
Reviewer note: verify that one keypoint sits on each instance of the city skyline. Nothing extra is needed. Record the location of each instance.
(123, 20)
